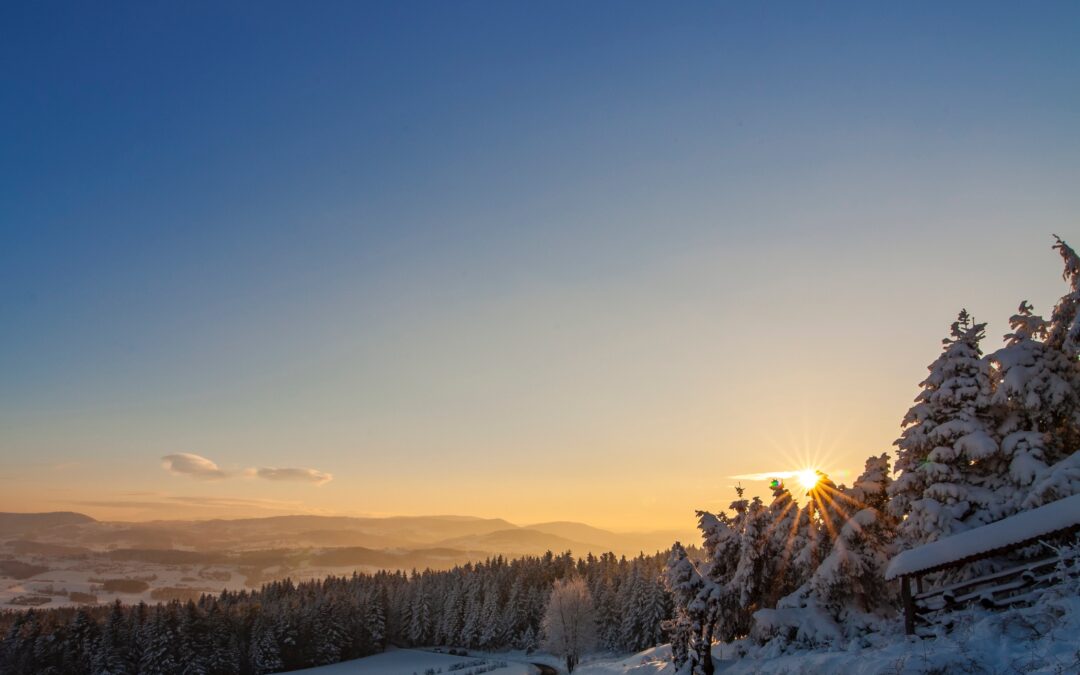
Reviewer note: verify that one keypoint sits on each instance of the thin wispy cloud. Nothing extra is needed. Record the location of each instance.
(769, 475)
(168, 503)
(195, 466)
(293, 474)
(203, 468)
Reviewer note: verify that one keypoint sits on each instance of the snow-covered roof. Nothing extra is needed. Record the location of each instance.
(1023, 527)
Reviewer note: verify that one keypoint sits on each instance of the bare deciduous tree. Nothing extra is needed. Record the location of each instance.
(570, 621)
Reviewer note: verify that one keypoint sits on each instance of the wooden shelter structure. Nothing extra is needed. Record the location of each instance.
(1018, 584)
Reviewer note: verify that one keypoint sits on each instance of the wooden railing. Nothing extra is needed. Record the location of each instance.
(1016, 585)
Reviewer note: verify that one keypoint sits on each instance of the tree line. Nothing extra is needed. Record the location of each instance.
(492, 605)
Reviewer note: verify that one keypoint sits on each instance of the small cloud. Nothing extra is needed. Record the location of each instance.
(196, 466)
(765, 476)
(301, 475)
(169, 503)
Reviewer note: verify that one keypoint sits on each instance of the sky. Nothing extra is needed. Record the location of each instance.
(537, 261)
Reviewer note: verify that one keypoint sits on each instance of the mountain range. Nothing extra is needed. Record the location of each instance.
(460, 535)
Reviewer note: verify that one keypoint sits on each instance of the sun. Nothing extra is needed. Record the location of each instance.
(808, 478)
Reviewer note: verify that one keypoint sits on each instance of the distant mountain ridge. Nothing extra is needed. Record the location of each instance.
(475, 535)
(19, 523)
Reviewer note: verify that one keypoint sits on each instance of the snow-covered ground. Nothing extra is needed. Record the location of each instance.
(409, 661)
(64, 575)
(1042, 639)
(52, 588)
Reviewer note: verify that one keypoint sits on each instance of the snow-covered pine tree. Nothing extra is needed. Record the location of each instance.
(265, 653)
(871, 488)
(375, 621)
(224, 654)
(850, 582)
(529, 641)
(948, 437)
(513, 614)
(608, 614)
(491, 636)
(80, 642)
(112, 652)
(748, 582)
(16, 655)
(1037, 395)
(827, 509)
(328, 635)
(194, 641)
(783, 538)
(419, 614)
(449, 626)
(698, 600)
(470, 625)
(159, 655)
(1053, 391)
(1064, 328)
(656, 610)
(723, 544)
(631, 603)
(679, 629)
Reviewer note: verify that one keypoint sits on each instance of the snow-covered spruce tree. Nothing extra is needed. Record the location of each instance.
(159, 656)
(113, 650)
(1052, 392)
(470, 626)
(419, 613)
(375, 622)
(847, 543)
(680, 633)
(79, 643)
(748, 583)
(827, 509)
(1037, 395)
(224, 656)
(1064, 328)
(948, 445)
(194, 640)
(491, 636)
(696, 608)
(16, 653)
(783, 539)
(708, 599)
(630, 605)
(265, 653)
(452, 613)
(656, 610)
(608, 612)
(329, 636)
(850, 581)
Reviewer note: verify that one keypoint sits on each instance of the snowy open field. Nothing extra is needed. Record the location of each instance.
(409, 661)
(67, 581)
(56, 586)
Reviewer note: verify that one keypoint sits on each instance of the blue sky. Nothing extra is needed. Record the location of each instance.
(488, 244)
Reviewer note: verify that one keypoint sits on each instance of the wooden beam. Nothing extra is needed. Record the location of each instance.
(909, 605)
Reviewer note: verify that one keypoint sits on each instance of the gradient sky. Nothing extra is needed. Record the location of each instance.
(535, 260)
